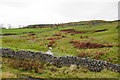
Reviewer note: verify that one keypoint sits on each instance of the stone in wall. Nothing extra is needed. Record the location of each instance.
(95, 65)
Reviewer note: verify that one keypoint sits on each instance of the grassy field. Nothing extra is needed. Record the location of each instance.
(40, 39)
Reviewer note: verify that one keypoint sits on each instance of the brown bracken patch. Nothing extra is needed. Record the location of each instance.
(30, 35)
(53, 38)
(41, 44)
(50, 44)
(59, 35)
(45, 35)
(72, 31)
(84, 37)
(87, 45)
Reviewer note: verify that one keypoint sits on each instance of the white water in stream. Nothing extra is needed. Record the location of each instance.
(49, 51)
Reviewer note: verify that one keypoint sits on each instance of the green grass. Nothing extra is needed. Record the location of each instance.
(24, 30)
(63, 47)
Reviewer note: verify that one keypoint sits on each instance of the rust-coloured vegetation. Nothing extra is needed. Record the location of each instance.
(84, 37)
(72, 31)
(30, 35)
(24, 64)
(87, 45)
(53, 38)
(41, 44)
(50, 44)
(59, 35)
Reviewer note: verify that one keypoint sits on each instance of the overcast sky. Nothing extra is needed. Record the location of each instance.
(26, 12)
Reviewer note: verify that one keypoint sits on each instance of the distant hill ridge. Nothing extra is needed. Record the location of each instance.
(92, 22)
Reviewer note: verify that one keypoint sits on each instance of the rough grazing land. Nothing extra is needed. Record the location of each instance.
(87, 40)
(91, 64)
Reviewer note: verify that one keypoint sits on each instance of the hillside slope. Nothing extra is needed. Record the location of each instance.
(94, 39)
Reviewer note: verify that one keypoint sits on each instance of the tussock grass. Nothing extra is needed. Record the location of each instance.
(14, 68)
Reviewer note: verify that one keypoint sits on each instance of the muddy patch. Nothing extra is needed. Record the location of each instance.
(87, 45)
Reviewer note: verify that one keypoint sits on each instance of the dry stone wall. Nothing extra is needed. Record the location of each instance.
(91, 64)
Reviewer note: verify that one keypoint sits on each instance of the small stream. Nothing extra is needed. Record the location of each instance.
(49, 51)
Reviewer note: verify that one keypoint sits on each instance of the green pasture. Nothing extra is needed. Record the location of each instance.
(63, 47)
